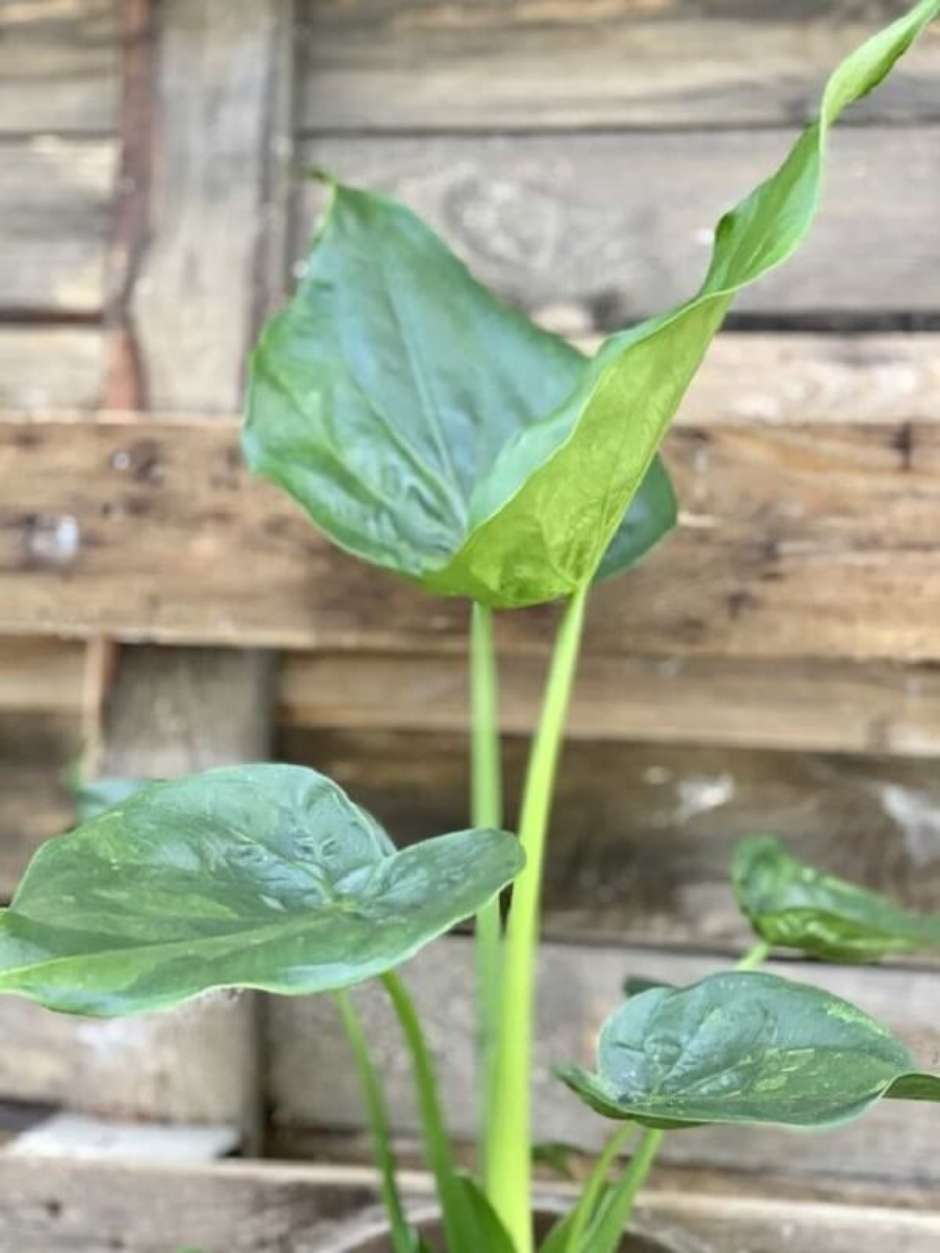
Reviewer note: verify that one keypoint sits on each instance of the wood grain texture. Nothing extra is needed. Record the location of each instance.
(798, 705)
(621, 224)
(642, 834)
(812, 705)
(196, 290)
(189, 1065)
(51, 367)
(145, 528)
(55, 200)
(186, 305)
(36, 751)
(385, 65)
(252, 1207)
(58, 65)
(177, 711)
(41, 676)
(578, 989)
(820, 706)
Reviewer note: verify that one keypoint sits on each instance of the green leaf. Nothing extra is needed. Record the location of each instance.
(384, 392)
(652, 512)
(745, 1047)
(633, 985)
(254, 876)
(542, 518)
(796, 906)
(487, 1230)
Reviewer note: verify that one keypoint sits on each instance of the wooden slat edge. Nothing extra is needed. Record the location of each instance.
(497, 66)
(54, 1205)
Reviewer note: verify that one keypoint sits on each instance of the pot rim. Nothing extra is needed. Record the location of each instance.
(350, 1235)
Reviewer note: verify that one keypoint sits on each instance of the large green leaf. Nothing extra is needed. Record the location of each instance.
(384, 392)
(253, 876)
(542, 518)
(796, 906)
(745, 1047)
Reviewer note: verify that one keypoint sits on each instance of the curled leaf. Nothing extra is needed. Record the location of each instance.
(793, 905)
(254, 876)
(385, 390)
(745, 1047)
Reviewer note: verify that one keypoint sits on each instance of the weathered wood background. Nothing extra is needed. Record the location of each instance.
(772, 667)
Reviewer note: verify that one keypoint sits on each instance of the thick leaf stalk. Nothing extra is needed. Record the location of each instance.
(487, 807)
(509, 1170)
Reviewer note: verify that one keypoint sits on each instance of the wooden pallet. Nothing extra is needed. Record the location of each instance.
(772, 667)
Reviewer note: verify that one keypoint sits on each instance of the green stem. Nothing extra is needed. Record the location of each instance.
(486, 811)
(618, 1213)
(754, 957)
(587, 1205)
(378, 1121)
(458, 1225)
(509, 1167)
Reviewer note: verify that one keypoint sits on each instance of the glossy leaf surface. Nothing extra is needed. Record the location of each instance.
(255, 876)
(796, 906)
(745, 1047)
(383, 393)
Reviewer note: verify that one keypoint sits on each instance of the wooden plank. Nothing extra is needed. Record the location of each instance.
(41, 676)
(820, 706)
(175, 711)
(184, 307)
(187, 1066)
(58, 1206)
(55, 200)
(36, 751)
(642, 834)
(144, 528)
(579, 987)
(58, 65)
(250, 1207)
(797, 705)
(386, 65)
(621, 224)
(197, 288)
(50, 367)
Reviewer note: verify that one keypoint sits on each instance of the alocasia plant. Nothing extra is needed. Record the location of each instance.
(433, 431)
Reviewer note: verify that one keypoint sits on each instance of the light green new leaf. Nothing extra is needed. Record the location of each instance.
(253, 876)
(384, 392)
(542, 518)
(745, 1047)
(796, 906)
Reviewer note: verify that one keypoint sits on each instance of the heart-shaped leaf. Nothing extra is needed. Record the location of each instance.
(253, 876)
(796, 906)
(745, 1047)
(383, 393)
